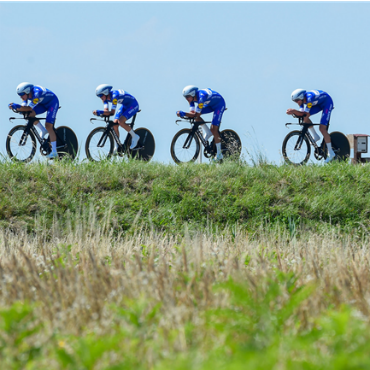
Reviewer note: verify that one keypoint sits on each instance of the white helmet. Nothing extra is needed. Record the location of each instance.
(24, 88)
(298, 94)
(190, 90)
(103, 89)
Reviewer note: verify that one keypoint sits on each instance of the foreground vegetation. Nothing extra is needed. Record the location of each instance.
(134, 266)
(90, 300)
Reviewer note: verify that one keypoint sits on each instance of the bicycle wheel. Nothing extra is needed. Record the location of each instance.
(104, 150)
(146, 146)
(179, 153)
(20, 148)
(296, 150)
(231, 145)
(67, 143)
(340, 145)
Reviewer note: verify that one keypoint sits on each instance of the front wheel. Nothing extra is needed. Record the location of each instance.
(296, 149)
(185, 147)
(231, 145)
(20, 145)
(67, 143)
(99, 145)
(145, 147)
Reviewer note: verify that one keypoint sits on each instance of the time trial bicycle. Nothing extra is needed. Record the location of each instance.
(100, 144)
(185, 146)
(21, 140)
(297, 145)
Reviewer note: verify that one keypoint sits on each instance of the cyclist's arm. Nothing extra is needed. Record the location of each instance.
(189, 114)
(193, 114)
(25, 109)
(297, 113)
(108, 112)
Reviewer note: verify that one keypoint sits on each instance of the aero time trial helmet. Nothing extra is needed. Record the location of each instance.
(298, 94)
(103, 89)
(190, 90)
(24, 88)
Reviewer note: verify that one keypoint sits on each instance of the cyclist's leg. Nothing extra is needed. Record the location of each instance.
(49, 124)
(313, 110)
(325, 119)
(207, 132)
(324, 123)
(123, 114)
(216, 122)
(39, 109)
(120, 120)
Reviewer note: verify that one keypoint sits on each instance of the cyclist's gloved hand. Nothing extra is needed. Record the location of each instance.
(182, 114)
(14, 106)
(99, 113)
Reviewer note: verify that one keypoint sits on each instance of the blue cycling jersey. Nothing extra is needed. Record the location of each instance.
(317, 101)
(120, 97)
(206, 98)
(314, 98)
(209, 101)
(41, 96)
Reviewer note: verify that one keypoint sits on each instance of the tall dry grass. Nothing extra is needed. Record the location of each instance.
(75, 277)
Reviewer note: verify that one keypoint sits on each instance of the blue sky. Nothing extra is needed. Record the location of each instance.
(253, 53)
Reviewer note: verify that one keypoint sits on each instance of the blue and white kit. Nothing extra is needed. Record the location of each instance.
(43, 100)
(316, 101)
(209, 101)
(129, 105)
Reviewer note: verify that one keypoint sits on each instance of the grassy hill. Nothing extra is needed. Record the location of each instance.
(165, 197)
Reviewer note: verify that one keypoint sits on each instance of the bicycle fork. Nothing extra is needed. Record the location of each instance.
(104, 138)
(188, 141)
(23, 140)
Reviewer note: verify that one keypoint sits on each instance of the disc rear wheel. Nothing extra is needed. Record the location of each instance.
(67, 143)
(231, 145)
(145, 147)
(340, 145)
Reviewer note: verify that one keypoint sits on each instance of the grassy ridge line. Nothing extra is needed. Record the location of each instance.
(166, 196)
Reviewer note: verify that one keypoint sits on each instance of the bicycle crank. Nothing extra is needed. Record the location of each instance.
(45, 148)
(319, 154)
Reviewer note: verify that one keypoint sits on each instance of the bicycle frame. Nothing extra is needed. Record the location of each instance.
(109, 129)
(31, 127)
(194, 131)
(305, 132)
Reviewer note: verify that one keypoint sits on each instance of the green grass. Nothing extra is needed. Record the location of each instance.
(165, 197)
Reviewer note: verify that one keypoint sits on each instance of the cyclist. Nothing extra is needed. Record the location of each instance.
(129, 107)
(316, 101)
(37, 100)
(208, 101)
